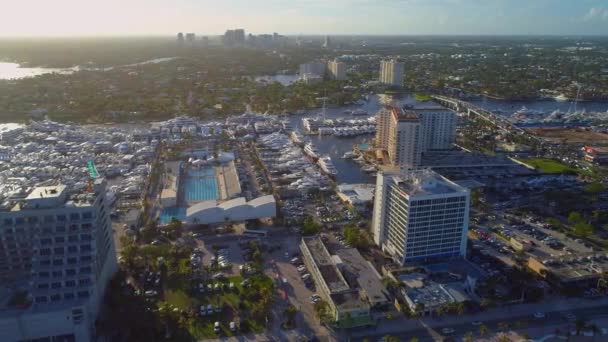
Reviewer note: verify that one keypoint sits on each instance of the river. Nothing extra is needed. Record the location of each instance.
(350, 172)
(13, 71)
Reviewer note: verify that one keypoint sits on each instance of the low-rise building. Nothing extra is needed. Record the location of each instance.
(596, 154)
(357, 195)
(348, 304)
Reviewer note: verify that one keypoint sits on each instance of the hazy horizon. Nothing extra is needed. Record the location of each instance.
(111, 18)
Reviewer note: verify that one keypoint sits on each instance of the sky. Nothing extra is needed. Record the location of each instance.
(293, 17)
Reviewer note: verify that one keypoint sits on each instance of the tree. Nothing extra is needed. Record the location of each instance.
(575, 217)
(468, 336)
(310, 226)
(594, 188)
(414, 339)
(175, 228)
(583, 229)
(580, 325)
(483, 330)
(391, 338)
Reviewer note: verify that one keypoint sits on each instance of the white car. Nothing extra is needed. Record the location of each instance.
(539, 315)
(476, 323)
(232, 326)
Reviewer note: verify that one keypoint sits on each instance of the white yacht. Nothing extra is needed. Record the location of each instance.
(311, 151)
(357, 112)
(349, 155)
(296, 138)
(327, 166)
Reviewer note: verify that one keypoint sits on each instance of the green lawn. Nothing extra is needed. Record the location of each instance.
(549, 165)
(422, 97)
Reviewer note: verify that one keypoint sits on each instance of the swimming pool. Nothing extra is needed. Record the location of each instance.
(200, 185)
(172, 212)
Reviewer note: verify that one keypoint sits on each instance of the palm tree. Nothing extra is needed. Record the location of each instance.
(580, 325)
(483, 330)
(390, 338)
(468, 337)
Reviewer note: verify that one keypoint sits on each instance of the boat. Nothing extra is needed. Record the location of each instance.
(296, 138)
(349, 155)
(358, 112)
(561, 97)
(311, 151)
(369, 168)
(327, 166)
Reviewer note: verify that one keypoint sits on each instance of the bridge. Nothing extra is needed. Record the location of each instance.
(471, 109)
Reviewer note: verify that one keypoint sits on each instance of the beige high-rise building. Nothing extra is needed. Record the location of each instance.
(337, 70)
(391, 72)
(398, 137)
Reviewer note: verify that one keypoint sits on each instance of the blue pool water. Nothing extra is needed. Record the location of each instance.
(200, 185)
(195, 186)
(174, 212)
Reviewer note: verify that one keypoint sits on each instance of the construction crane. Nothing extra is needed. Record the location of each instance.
(93, 174)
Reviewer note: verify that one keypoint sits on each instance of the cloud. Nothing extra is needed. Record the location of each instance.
(596, 13)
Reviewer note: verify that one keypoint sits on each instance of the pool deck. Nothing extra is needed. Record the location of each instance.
(228, 181)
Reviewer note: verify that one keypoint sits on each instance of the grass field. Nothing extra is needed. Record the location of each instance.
(422, 97)
(549, 165)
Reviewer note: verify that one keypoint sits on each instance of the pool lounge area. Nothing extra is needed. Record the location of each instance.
(196, 186)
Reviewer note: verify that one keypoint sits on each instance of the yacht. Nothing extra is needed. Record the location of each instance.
(358, 112)
(296, 137)
(561, 97)
(311, 151)
(327, 166)
(349, 155)
(369, 168)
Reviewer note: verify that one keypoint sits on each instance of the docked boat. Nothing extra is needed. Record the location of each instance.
(327, 166)
(349, 155)
(561, 97)
(369, 168)
(296, 138)
(358, 112)
(311, 151)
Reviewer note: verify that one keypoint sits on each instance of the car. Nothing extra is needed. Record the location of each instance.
(209, 309)
(476, 323)
(570, 316)
(447, 331)
(218, 308)
(539, 315)
(216, 327)
(232, 326)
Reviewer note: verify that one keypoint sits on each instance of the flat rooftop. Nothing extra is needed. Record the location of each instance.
(332, 277)
(46, 192)
(357, 192)
(426, 182)
(367, 278)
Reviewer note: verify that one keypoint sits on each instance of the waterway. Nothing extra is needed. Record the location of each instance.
(350, 172)
(13, 71)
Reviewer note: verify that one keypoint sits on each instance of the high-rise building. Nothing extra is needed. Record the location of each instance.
(391, 72)
(234, 37)
(314, 68)
(398, 137)
(438, 128)
(205, 41)
(403, 136)
(180, 37)
(56, 258)
(420, 216)
(337, 70)
(326, 42)
(190, 37)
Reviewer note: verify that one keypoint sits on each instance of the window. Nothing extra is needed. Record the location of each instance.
(56, 285)
(68, 296)
(8, 222)
(85, 248)
(61, 218)
(58, 262)
(57, 274)
(43, 274)
(83, 294)
(45, 251)
(70, 283)
(74, 216)
(43, 286)
(59, 251)
(84, 281)
(72, 261)
(70, 272)
(60, 229)
(87, 215)
(72, 249)
(59, 239)
(73, 238)
(55, 298)
(41, 299)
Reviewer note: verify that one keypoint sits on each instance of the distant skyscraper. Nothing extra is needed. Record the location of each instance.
(190, 37)
(420, 216)
(205, 41)
(337, 70)
(314, 68)
(398, 137)
(326, 42)
(180, 37)
(391, 73)
(57, 248)
(234, 37)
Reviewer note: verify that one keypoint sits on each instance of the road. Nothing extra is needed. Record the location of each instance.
(519, 318)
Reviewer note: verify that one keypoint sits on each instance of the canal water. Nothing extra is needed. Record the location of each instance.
(350, 172)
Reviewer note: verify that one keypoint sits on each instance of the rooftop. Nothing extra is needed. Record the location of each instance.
(332, 277)
(54, 191)
(366, 277)
(357, 193)
(426, 182)
(403, 116)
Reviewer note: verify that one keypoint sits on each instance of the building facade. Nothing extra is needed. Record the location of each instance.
(313, 68)
(391, 72)
(438, 128)
(419, 216)
(337, 70)
(58, 255)
(398, 134)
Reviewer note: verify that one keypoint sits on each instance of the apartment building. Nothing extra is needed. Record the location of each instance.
(391, 72)
(337, 70)
(420, 216)
(56, 257)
